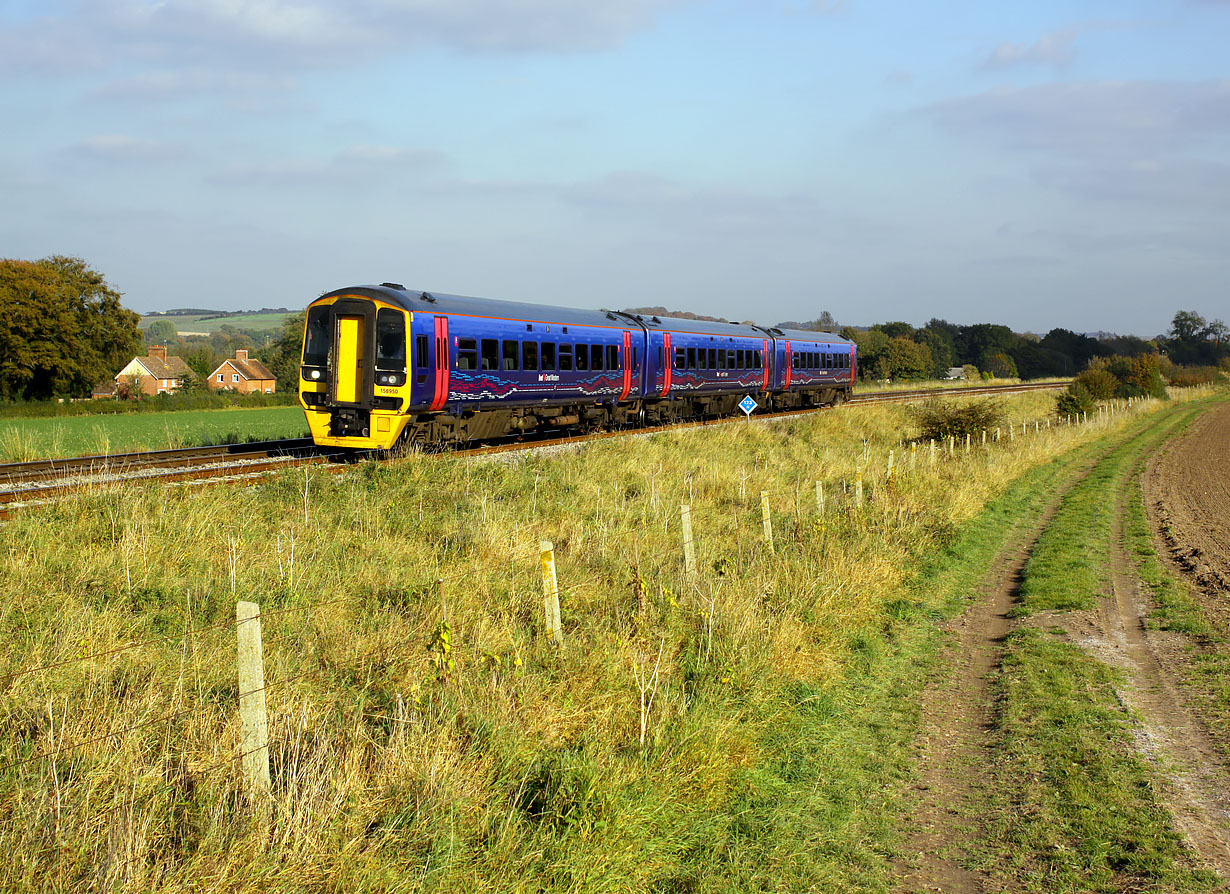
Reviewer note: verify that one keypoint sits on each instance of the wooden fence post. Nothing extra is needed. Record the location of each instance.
(550, 590)
(689, 552)
(254, 721)
(766, 518)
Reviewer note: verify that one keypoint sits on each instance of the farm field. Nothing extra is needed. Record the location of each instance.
(46, 438)
(212, 322)
(797, 715)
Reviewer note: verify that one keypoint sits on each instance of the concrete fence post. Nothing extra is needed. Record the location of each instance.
(253, 719)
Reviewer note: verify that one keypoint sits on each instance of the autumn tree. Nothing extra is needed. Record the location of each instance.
(62, 329)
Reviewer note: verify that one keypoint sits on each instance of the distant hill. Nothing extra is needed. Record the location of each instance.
(663, 312)
(206, 314)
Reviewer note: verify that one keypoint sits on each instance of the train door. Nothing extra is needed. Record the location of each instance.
(354, 330)
(440, 364)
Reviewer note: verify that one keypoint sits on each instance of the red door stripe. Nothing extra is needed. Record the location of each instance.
(788, 365)
(666, 366)
(623, 395)
(765, 354)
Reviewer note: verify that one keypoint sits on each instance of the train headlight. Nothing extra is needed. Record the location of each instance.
(315, 374)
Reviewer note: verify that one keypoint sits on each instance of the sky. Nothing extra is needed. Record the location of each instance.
(1036, 164)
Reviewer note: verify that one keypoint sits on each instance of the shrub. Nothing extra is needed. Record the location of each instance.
(1189, 376)
(1138, 376)
(1075, 400)
(971, 372)
(942, 419)
(1100, 383)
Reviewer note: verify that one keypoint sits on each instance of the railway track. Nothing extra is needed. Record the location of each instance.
(35, 483)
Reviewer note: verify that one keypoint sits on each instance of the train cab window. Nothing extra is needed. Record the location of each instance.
(565, 358)
(467, 353)
(529, 355)
(691, 358)
(548, 355)
(490, 354)
(316, 343)
(612, 357)
(582, 357)
(420, 350)
(680, 359)
(595, 357)
(511, 350)
(390, 339)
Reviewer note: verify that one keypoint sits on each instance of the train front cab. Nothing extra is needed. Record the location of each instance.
(354, 382)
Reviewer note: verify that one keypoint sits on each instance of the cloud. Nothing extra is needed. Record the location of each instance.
(129, 150)
(1101, 120)
(264, 34)
(1054, 49)
(1189, 184)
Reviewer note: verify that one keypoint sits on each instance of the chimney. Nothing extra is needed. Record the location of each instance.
(241, 354)
(159, 351)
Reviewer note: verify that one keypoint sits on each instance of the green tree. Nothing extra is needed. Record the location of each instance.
(62, 329)
(906, 359)
(1000, 365)
(160, 332)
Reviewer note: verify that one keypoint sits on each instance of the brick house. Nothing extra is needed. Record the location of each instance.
(243, 375)
(155, 373)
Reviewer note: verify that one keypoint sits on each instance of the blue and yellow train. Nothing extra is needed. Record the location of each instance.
(386, 365)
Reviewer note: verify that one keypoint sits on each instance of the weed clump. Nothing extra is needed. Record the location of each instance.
(939, 420)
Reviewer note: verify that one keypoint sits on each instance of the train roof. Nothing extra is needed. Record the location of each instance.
(811, 335)
(418, 301)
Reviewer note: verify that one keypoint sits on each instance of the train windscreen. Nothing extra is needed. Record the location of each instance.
(318, 340)
(390, 340)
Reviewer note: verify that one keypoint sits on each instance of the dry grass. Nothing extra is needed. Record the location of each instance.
(522, 768)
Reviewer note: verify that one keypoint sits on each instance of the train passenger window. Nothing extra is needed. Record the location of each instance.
(390, 339)
(721, 358)
(740, 360)
(636, 358)
(491, 353)
(691, 358)
(794, 359)
(420, 348)
(702, 359)
(467, 353)
(548, 355)
(595, 357)
(612, 357)
(680, 361)
(713, 358)
(730, 359)
(565, 358)
(582, 356)
(511, 350)
(529, 355)
(757, 360)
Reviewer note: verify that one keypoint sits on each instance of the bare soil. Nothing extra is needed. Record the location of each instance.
(1187, 489)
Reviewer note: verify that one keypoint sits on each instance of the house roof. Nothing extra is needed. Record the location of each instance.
(251, 370)
(170, 368)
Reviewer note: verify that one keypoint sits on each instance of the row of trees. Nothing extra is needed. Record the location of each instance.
(899, 351)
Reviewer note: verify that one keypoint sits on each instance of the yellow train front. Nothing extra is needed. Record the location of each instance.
(354, 378)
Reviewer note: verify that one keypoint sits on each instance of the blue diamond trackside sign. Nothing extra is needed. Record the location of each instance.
(747, 405)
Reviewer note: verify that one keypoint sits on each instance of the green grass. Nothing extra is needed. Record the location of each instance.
(777, 753)
(1076, 807)
(40, 438)
(1068, 567)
